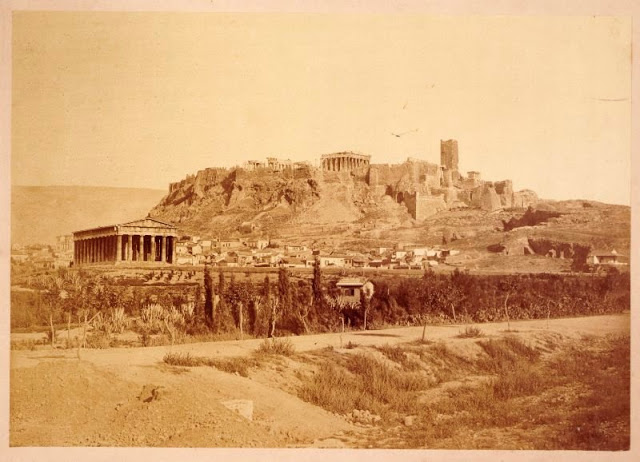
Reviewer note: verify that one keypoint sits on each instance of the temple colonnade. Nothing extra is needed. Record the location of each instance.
(344, 161)
(147, 240)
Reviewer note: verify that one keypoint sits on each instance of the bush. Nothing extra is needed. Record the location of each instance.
(277, 346)
(471, 332)
(99, 340)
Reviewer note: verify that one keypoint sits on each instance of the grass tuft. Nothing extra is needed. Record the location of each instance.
(238, 366)
(471, 332)
(277, 346)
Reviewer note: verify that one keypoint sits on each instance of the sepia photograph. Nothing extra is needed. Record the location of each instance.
(334, 228)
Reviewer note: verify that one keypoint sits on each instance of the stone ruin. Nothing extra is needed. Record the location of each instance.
(424, 188)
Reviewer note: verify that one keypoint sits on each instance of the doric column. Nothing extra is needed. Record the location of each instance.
(118, 248)
(153, 247)
(173, 250)
(129, 254)
(140, 247)
(163, 249)
(143, 237)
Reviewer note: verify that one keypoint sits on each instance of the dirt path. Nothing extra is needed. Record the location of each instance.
(129, 397)
(570, 327)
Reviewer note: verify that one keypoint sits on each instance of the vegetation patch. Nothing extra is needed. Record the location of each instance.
(523, 400)
(276, 346)
(470, 332)
(240, 366)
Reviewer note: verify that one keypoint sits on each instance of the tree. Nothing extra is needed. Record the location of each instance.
(364, 305)
(508, 286)
(208, 295)
(316, 287)
(284, 290)
(303, 300)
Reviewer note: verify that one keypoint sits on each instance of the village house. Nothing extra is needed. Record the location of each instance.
(185, 259)
(352, 288)
(295, 248)
(20, 257)
(332, 261)
(230, 244)
(603, 257)
(245, 257)
(182, 248)
(293, 262)
(258, 244)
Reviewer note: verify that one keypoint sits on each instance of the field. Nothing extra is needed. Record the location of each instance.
(536, 384)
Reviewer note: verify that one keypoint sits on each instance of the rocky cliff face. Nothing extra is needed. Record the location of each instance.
(221, 201)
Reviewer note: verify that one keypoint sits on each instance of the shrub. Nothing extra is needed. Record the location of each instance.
(471, 332)
(277, 346)
(99, 340)
(183, 359)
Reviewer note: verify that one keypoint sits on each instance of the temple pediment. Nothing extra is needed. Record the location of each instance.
(148, 222)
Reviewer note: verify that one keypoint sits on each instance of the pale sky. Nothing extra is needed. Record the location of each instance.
(143, 99)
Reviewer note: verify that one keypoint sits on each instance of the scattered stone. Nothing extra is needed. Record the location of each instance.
(149, 393)
(408, 420)
(363, 417)
(244, 407)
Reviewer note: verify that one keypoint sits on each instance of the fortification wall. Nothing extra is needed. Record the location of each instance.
(422, 206)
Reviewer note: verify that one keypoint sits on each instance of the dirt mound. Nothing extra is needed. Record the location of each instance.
(74, 403)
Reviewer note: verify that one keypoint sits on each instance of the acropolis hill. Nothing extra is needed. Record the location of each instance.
(347, 187)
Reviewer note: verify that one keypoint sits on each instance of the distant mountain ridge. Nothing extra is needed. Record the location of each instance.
(40, 213)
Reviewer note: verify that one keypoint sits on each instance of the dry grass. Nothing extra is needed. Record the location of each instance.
(470, 332)
(399, 355)
(237, 365)
(277, 346)
(240, 366)
(364, 383)
(525, 401)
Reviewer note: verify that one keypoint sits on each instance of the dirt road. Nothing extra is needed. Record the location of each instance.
(129, 397)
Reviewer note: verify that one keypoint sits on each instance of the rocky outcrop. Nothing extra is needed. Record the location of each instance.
(304, 194)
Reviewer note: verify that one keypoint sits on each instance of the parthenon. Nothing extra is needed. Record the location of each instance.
(344, 161)
(148, 240)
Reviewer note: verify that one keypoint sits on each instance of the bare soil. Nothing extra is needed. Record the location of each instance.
(130, 397)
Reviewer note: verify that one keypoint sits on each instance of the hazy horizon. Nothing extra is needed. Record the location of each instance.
(140, 100)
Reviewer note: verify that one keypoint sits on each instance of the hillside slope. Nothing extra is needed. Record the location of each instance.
(40, 213)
